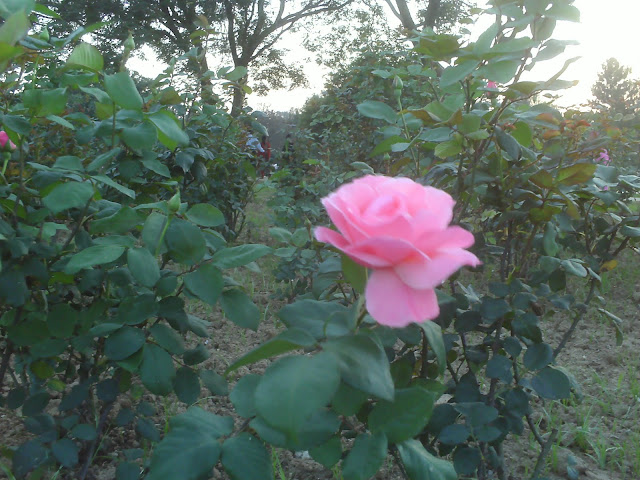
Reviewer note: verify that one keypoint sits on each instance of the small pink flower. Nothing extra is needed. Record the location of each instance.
(400, 230)
(603, 158)
(4, 139)
(491, 84)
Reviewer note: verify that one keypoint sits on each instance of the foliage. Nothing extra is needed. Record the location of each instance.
(99, 253)
(545, 217)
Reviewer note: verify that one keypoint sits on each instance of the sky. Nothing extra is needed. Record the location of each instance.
(607, 29)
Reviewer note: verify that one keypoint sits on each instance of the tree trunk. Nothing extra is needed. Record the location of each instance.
(239, 96)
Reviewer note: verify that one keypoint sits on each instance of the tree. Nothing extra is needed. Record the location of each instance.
(254, 27)
(436, 14)
(614, 91)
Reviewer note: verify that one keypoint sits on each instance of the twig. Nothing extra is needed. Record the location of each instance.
(543, 453)
(101, 423)
(576, 320)
(6, 356)
(396, 456)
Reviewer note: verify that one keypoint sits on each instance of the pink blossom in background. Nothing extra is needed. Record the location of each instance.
(400, 230)
(4, 139)
(491, 84)
(603, 158)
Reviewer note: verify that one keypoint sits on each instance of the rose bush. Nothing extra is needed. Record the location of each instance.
(399, 229)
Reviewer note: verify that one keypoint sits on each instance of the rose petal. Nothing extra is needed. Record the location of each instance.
(393, 303)
(451, 237)
(326, 235)
(381, 251)
(431, 273)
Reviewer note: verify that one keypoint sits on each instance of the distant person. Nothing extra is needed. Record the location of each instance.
(266, 155)
(254, 144)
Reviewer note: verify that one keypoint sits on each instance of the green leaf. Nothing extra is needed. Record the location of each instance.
(243, 395)
(454, 74)
(169, 131)
(563, 11)
(186, 384)
(523, 134)
(291, 339)
(68, 195)
(379, 110)
(122, 189)
(354, 273)
(60, 121)
(12, 7)
(240, 255)
(16, 25)
(629, 231)
(167, 338)
(501, 71)
(448, 149)
(538, 356)
(467, 460)
(205, 215)
(140, 137)
(127, 471)
(421, 465)
(549, 244)
(348, 400)
(552, 383)
(157, 370)
(62, 320)
(92, 256)
(542, 179)
(45, 102)
(329, 453)
(405, 417)
(386, 145)
(363, 364)
(191, 448)
(143, 266)
(16, 124)
(293, 388)
(500, 367)
(366, 457)
(240, 309)
(314, 317)
(433, 332)
(245, 457)
(66, 452)
(508, 144)
(85, 56)
(185, 242)
(123, 343)
(119, 223)
(576, 173)
(122, 90)
(206, 283)
(214, 382)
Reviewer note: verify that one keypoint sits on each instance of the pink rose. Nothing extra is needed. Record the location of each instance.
(4, 138)
(399, 229)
